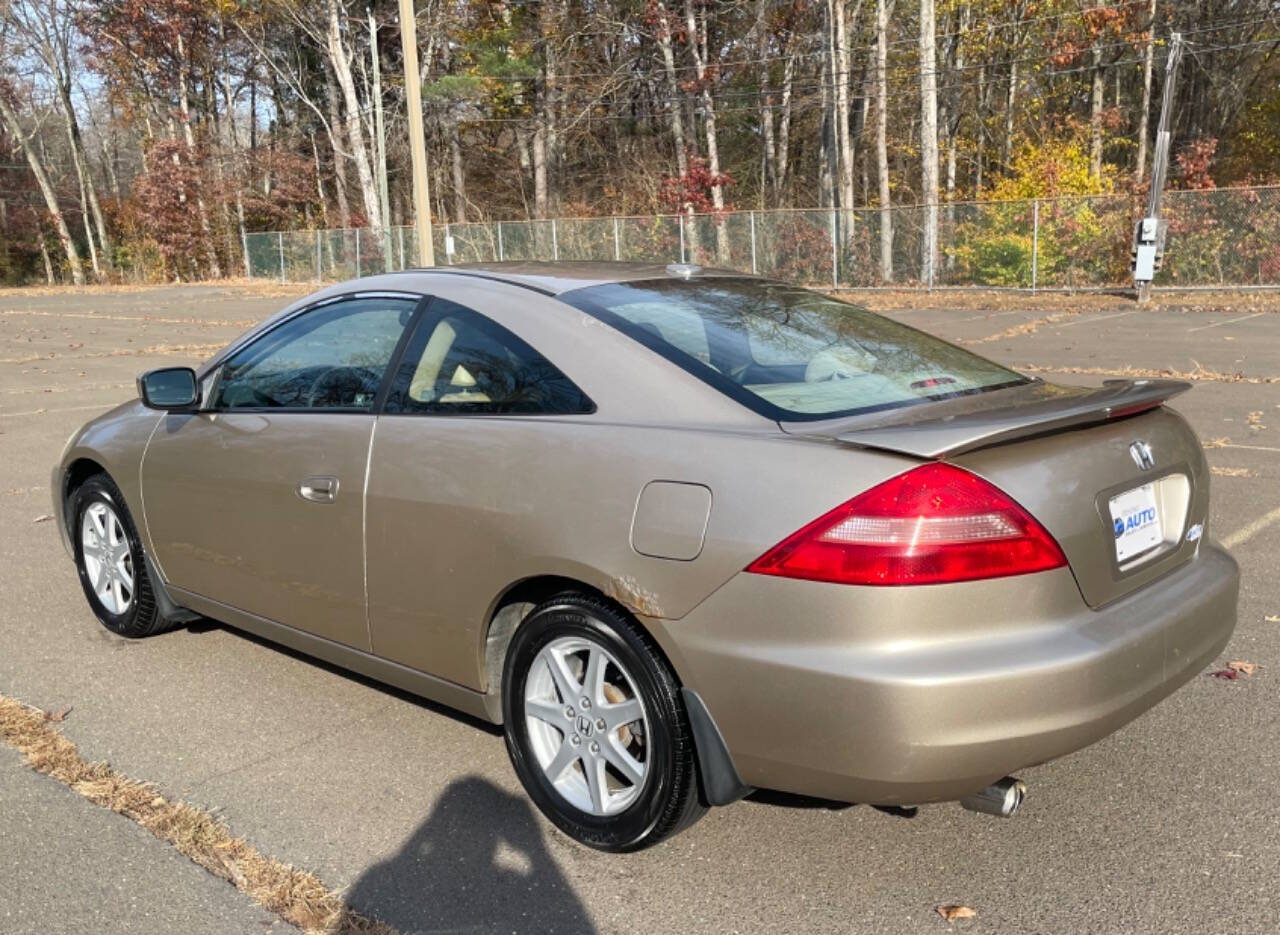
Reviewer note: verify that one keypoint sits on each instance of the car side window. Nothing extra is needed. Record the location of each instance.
(459, 361)
(333, 357)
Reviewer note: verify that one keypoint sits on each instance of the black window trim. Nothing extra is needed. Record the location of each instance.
(214, 371)
(735, 391)
(427, 319)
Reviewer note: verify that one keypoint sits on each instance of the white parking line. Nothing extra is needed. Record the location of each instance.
(1230, 321)
(1244, 534)
(1082, 319)
(1247, 447)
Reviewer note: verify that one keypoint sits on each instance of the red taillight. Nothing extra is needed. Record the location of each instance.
(933, 524)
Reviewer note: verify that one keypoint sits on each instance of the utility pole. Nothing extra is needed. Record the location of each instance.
(417, 137)
(1149, 236)
(380, 143)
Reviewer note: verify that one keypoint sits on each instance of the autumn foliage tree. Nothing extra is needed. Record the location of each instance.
(691, 193)
(149, 137)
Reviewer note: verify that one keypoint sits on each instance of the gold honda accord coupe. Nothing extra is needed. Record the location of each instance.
(684, 533)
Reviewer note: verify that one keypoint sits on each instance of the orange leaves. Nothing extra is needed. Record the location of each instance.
(952, 912)
(693, 189)
(1236, 669)
(1195, 160)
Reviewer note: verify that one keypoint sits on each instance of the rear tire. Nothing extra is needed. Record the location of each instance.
(611, 711)
(110, 560)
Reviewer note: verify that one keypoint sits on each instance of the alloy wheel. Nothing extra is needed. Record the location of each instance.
(587, 725)
(108, 560)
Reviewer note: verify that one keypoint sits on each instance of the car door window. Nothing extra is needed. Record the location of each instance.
(459, 361)
(333, 357)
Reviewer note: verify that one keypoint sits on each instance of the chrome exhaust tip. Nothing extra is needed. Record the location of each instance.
(1002, 798)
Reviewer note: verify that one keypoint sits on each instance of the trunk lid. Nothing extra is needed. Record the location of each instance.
(1077, 459)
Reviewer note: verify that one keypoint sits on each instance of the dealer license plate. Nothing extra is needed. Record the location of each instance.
(1136, 522)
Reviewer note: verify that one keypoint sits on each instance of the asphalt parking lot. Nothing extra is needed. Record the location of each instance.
(414, 813)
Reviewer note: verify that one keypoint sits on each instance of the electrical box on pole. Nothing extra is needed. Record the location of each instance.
(1147, 254)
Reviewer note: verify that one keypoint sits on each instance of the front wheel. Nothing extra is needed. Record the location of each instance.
(595, 726)
(109, 559)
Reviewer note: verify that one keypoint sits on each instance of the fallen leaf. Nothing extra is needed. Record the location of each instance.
(1244, 668)
(59, 716)
(42, 518)
(1229, 674)
(953, 912)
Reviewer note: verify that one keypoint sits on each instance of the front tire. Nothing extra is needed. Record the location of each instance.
(595, 726)
(110, 561)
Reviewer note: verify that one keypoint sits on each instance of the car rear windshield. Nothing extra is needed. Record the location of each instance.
(786, 352)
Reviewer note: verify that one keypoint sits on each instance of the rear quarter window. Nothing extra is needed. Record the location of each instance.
(460, 362)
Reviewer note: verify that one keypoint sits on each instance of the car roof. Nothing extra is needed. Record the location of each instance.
(554, 278)
(657, 392)
(546, 278)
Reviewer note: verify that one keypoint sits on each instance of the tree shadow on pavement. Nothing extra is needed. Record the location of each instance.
(477, 864)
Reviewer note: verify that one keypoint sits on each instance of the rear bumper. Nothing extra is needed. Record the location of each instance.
(910, 695)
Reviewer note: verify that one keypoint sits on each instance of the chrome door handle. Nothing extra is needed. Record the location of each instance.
(318, 489)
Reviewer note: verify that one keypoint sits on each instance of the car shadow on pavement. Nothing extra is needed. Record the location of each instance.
(777, 799)
(477, 864)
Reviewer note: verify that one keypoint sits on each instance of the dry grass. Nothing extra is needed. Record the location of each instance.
(1200, 374)
(296, 896)
(1028, 327)
(146, 319)
(169, 349)
(979, 300)
(257, 287)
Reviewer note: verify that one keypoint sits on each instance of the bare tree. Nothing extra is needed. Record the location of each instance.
(48, 29)
(768, 140)
(697, 39)
(340, 61)
(928, 138)
(1014, 30)
(883, 8)
(1144, 116)
(841, 71)
(188, 137)
(676, 112)
(14, 126)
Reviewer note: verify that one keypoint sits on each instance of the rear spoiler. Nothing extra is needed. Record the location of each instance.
(980, 421)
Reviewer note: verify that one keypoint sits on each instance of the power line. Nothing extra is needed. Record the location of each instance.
(823, 53)
(896, 72)
(1273, 40)
(809, 87)
(755, 108)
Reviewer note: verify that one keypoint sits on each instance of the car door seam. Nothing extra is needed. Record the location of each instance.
(142, 502)
(364, 530)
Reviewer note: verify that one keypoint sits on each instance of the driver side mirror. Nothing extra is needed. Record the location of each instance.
(170, 388)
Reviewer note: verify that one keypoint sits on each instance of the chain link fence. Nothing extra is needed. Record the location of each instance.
(1223, 238)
